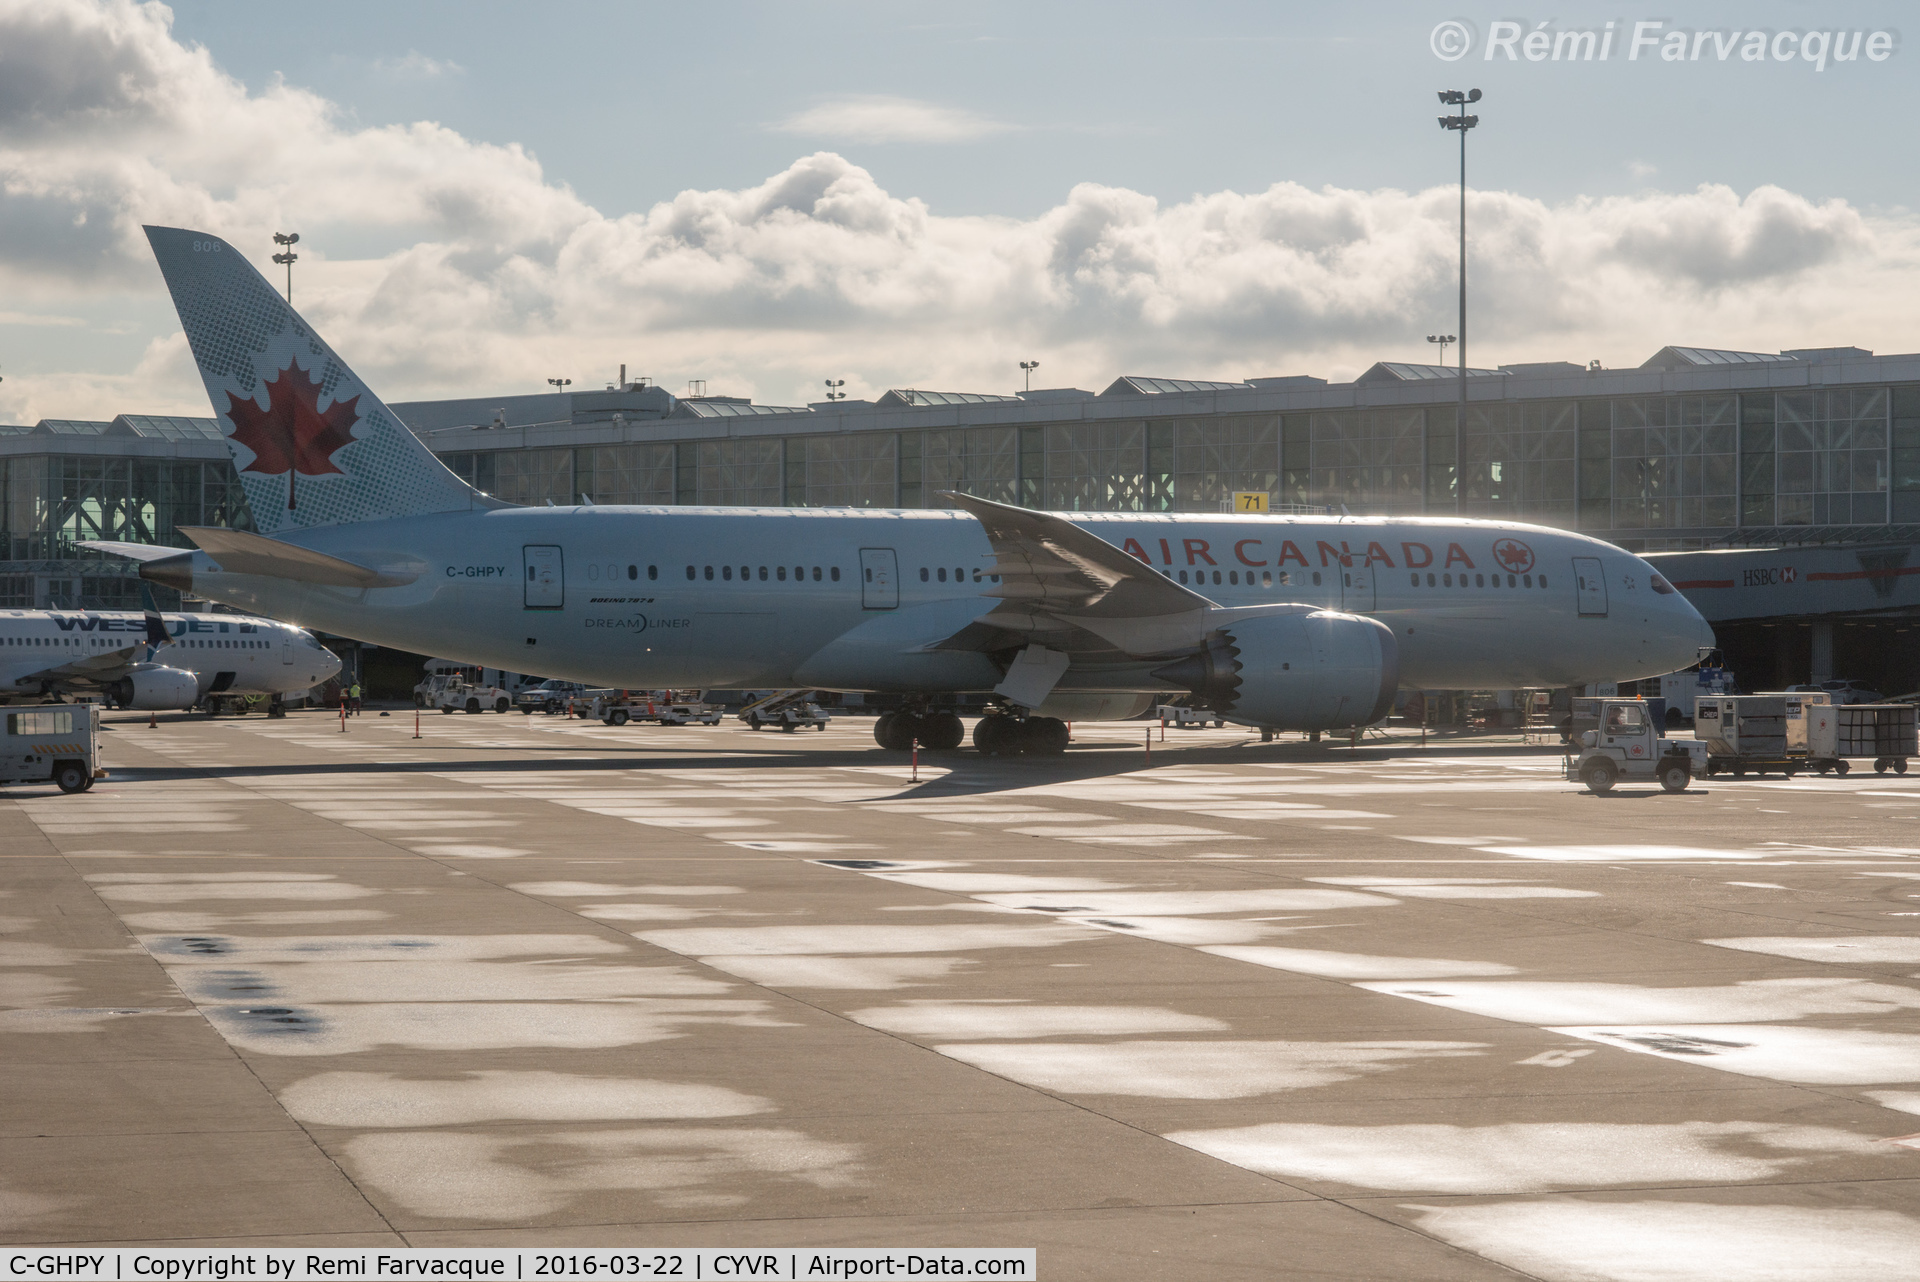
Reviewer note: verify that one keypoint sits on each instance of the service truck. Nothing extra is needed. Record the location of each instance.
(462, 695)
(1627, 745)
(56, 742)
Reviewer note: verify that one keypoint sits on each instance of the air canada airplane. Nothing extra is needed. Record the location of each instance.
(154, 661)
(1273, 622)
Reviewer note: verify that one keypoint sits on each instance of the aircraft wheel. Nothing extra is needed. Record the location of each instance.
(942, 731)
(1046, 736)
(999, 736)
(897, 730)
(1601, 776)
(1675, 778)
(70, 776)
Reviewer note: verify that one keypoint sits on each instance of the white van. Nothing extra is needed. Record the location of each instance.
(57, 742)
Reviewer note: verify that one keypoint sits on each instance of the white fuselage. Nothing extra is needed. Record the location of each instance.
(69, 650)
(732, 597)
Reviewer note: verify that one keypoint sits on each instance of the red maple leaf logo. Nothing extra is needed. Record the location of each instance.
(291, 434)
(1515, 555)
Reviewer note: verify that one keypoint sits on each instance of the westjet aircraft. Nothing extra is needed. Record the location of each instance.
(1274, 622)
(154, 661)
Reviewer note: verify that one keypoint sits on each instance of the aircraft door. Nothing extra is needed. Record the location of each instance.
(545, 583)
(1357, 588)
(1590, 582)
(879, 579)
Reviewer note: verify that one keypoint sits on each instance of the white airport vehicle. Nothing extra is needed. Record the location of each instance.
(56, 742)
(1628, 745)
(788, 709)
(1279, 622)
(1182, 718)
(153, 661)
(663, 707)
(461, 695)
(438, 671)
(551, 697)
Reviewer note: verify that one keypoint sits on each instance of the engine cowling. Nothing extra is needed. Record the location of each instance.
(1317, 670)
(157, 689)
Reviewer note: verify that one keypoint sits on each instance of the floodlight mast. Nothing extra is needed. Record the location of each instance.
(1027, 368)
(1461, 122)
(287, 240)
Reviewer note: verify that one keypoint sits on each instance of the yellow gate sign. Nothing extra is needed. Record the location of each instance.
(1249, 501)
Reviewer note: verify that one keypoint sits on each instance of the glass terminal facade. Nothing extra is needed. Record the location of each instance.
(1695, 448)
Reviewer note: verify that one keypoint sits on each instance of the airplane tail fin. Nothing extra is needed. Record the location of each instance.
(312, 444)
(157, 634)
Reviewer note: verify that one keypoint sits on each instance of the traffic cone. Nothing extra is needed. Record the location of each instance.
(153, 721)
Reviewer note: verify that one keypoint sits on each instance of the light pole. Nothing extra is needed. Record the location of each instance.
(1027, 368)
(833, 389)
(559, 384)
(1443, 340)
(1461, 122)
(287, 240)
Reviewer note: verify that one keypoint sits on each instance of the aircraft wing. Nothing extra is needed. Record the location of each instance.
(1067, 588)
(97, 668)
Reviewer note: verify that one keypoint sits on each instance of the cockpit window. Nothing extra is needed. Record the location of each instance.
(1661, 586)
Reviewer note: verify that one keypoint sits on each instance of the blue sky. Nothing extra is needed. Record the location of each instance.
(631, 103)
(763, 194)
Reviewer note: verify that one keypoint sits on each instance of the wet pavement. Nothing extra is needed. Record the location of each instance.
(1236, 1010)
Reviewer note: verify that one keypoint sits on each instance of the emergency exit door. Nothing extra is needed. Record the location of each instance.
(879, 579)
(1591, 585)
(545, 583)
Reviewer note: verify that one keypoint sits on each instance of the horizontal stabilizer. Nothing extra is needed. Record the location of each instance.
(239, 552)
(132, 551)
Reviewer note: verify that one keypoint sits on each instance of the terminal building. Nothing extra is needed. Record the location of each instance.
(1782, 490)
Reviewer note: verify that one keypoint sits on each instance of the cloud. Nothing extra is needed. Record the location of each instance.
(881, 118)
(418, 66)
(499, 277)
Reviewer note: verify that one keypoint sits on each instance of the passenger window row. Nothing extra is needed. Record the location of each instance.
(959, 575)
(779, 573)
(1480, 581)
(1232, 578)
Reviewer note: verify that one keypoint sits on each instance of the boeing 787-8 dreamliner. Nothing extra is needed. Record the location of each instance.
(1275, 622)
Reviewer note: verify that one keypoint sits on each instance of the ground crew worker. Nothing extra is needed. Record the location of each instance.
(354, 694)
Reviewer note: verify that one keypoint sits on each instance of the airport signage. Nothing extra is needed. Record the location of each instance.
(519, 1264)
(1768, 576)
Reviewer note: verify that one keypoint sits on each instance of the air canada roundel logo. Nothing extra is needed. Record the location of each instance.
(293, 434)
(1514, 556)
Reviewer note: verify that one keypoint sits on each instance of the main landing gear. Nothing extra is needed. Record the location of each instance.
(999, 735)
(936, 731)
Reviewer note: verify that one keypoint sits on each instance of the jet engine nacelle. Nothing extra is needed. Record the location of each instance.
(156, 689)
(1318, 670)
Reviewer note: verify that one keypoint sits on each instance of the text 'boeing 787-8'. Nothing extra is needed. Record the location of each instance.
(1277, 622)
